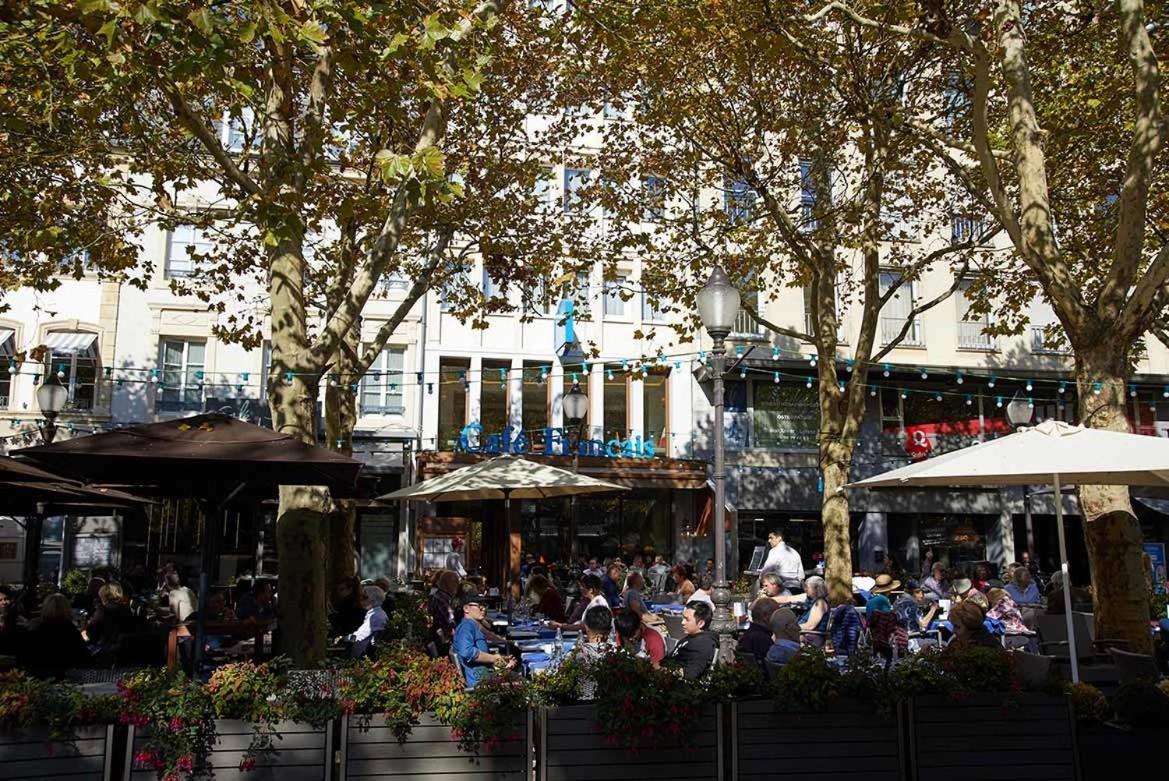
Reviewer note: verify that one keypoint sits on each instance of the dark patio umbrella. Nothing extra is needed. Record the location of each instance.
(14, 471)
(211, 458)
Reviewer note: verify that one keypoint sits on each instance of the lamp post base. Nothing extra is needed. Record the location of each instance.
(723, 623)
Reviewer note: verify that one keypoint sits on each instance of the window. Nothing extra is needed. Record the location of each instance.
(897, 310)
(786, 416)
(73, 357)
(395, 282)
(956, 103)
(7, 351)
(77, 263)
(546, 189)
(655, 406)
(240, 129)
(451, 289)
(491, 288)
(808, 219)
(964, 228)
(651, 311)
(616, 403)
(971, 325)
(381, 387)
(535, 404)
(494, 411)
(575, 182)
(739, 200)
(184, 242)
(614, 303)
(746, 326)
(181, 385)
(653, 189)
(452, 400)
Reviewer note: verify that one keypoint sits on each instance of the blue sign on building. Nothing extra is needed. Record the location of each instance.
(473, 439)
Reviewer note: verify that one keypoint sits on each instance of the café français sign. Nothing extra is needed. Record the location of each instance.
(514, 442)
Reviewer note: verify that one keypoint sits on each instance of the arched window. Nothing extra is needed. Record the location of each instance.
(73, 356)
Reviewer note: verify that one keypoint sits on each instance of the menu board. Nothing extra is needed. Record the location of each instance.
(93, 551)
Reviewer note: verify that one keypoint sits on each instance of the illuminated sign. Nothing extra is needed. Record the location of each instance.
(472, 439)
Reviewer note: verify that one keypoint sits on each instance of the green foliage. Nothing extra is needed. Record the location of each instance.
(487, 715)
(410, 619)
(807, 682)
(1142, 704)
(1088, 703)
(639, 706)
(174, 716)
(75, 582)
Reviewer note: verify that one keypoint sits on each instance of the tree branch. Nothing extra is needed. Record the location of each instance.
(778, 329)
(919, 310)
(957, 39)
(1135, 315)
(1147, 137)
(314, 115)
(195, 125)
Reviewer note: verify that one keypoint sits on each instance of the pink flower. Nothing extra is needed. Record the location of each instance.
(247, 763)
(348, 706)
(143, 759)
(175, 724)
(184, 762)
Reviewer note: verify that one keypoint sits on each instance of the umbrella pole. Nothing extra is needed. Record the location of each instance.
(1067, 582)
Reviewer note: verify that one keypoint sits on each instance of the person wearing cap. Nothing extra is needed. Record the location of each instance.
(913, 610)
(964, 591)
(878, 601)
(470, 645)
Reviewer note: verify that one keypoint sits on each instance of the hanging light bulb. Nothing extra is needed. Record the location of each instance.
(840, 385)
(990, 383)
(609, 373)
(904, 395)
(808, 383)
(812, 359)
(969, 401)
(288, 376)
(960, 379)
(1132, 391)
(154, 375)
(1096, 388)
(775, 377)
(775, 353)
(938, 396)
(998, 401)
(677, 364)
(925, 375)
(1165, 392)
(1029, 387)
(872, 390)
(1063, 386)
(743, 373)
(885, 372)
(1031, 402)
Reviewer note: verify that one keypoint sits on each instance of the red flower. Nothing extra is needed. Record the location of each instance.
(248, 763)
(144, 759)
(348, 707)
(184, 762)
(175, 724)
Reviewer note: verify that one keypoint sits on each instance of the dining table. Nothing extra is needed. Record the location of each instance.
(532, 640)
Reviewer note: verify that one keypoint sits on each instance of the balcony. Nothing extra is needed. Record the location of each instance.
(891, 328)
(971, 337)
(746, 327)
(1041, 345)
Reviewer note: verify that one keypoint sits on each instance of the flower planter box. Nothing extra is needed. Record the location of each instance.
(29, 754)
(573, 748)
(372, 751)
(980, 737)
(845, 741)
(302, 753)
(1103, 750)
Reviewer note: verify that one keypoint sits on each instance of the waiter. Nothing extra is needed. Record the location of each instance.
(785, 562)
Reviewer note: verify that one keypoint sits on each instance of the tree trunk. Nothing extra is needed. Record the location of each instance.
(835, 457)
(299, 535)
(340, 423)
(1112, 533)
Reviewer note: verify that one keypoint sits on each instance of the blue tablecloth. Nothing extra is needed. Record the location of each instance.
(538, 660)
(671, 607)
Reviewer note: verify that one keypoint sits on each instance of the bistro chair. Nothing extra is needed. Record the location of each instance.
(674, 626)
(746, 657)
(1134, 667)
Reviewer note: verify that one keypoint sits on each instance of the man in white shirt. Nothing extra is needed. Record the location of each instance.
(784, 561)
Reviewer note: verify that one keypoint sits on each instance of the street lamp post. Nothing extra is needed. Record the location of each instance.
(51, 398)
(576, 408)
(718, 305)
(1019, 412)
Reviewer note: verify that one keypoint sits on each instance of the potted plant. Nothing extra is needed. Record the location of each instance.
(50, 728)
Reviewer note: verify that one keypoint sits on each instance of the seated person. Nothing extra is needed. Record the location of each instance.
(695, 652)
(546, 598)
(598, 628)
(470, 646)
(591, 596)
(913, 610)
(372, 623)
(785, 633)
(770, 587)
(878, 600)
(1004, 610)
(702, 593)
(54, 644)
(814, 620)
(256, 604)
(1022, 588)
(969, 629)
(964, 591)
(757, 639)
(611, 585)
(112, 619)
(935, 586)
(639, 639)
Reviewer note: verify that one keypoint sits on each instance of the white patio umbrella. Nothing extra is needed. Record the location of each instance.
(1053, 453)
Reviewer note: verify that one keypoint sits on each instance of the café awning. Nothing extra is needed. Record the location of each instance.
(70, 342)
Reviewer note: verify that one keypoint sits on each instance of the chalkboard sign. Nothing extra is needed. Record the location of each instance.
(90, 552)
(757, 557)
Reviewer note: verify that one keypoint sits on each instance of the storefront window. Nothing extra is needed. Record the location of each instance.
(786, 416)
(654, 401)
(624, 525)
(616, 403)
(452, 402)
(535, 401)
(956, 540)
(493, 411)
